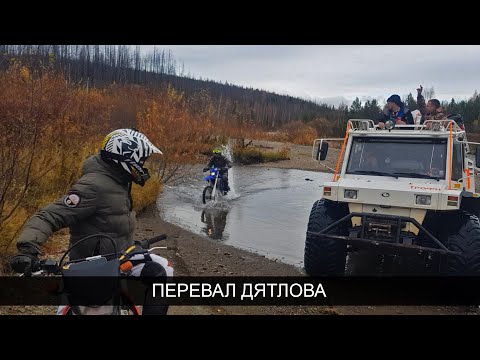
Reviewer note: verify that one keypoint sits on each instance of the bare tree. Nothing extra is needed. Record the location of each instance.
(429, 93)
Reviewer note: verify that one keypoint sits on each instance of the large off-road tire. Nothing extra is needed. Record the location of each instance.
(471, 205)
(463, 234)
(325, 256)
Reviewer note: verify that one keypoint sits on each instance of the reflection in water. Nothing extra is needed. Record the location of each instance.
(215, 221)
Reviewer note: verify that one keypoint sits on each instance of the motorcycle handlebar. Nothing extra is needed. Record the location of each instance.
(220, 168)
(145, 244)
(53, 267)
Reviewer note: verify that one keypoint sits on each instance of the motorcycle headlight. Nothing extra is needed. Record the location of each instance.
(423, 199)
(212, 173)
(350, 194)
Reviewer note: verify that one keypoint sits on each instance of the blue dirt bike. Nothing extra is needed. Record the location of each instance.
(216, 185)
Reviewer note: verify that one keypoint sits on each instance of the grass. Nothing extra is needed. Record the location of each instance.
(257, 155)
(144, 196)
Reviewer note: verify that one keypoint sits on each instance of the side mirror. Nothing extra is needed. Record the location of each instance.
(477, 157)
(322, 151)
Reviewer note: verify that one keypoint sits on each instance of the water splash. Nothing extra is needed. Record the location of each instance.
(227, 151)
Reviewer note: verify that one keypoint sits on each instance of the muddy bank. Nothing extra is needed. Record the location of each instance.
(195, 255)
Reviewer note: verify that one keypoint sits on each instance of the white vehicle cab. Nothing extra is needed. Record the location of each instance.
(404, 190)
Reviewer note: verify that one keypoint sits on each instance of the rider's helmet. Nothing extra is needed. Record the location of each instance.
(129, 149)
(217, 152)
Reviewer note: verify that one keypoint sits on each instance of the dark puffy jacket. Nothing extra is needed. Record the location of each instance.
(219, 161)
(438, 114)
(406, 116)
(99, 202)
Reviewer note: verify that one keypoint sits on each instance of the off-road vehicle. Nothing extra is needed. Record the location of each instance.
(405, 191)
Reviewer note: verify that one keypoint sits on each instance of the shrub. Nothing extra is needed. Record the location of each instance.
(256, 155)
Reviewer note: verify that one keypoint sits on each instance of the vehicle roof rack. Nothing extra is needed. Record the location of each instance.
(428, 125)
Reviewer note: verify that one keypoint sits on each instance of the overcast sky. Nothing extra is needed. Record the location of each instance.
(331, 73)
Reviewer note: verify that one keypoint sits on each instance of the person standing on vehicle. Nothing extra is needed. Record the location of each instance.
(431, 110)
(99, 202)
(396, 111)
(222, 163)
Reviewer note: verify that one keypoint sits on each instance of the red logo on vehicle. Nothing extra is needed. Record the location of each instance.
(414, 187)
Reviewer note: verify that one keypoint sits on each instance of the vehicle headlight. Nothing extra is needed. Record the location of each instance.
(389, 125)
(212, 173)
(423, 199)
(350, 194)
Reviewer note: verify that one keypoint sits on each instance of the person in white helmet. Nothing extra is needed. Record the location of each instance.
(99, 202)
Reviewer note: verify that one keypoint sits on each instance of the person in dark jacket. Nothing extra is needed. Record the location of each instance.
(396, 111)
(430, 110)
(219, 161)
(99, 202)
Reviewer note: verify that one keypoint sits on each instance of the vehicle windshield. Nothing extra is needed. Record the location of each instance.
(413, 158)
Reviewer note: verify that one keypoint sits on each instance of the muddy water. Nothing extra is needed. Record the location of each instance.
(266, 212)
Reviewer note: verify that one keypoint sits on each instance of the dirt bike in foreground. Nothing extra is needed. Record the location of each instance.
(113, 266)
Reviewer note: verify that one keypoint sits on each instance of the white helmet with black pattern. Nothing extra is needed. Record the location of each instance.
(130, 149)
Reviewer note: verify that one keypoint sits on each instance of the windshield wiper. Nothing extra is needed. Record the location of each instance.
(372, 172)
(415, 175)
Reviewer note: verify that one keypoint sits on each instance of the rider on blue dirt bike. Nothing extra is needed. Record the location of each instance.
(221, 162)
